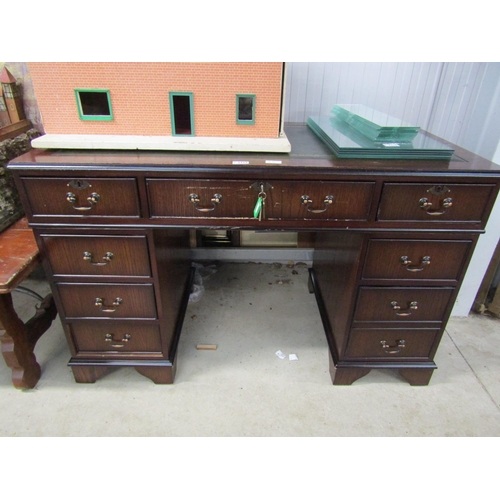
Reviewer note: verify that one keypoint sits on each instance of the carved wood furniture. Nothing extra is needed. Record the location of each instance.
(19, 258)
(393, 241)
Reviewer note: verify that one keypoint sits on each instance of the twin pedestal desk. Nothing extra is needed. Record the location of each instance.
(393, 239)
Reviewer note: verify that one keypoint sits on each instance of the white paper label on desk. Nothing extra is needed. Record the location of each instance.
(293, 357)
(240, 162)
(280, 355)
(277, 162)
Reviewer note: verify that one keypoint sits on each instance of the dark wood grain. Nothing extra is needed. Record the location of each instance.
(367, 343)
(374, 304)
(117, 197)
(171, 198)
(401, 202)
(65, 253)
(351, 200)
(78, 300)
(447, 258)
(114, 338)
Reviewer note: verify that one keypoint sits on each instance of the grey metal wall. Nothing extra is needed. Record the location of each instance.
(458, 101)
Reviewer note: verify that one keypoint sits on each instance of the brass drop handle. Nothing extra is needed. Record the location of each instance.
(405, 261)
(426, 205)
(216, 200)
(108, 256)
(404, 312)
(109, 338)
(92, 199)
(392, 349)
(108, 309)
(305, 200)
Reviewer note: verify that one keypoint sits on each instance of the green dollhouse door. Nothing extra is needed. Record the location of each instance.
(181, 113)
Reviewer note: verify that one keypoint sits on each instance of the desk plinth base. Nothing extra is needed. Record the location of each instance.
(345, 373)
(160, 372)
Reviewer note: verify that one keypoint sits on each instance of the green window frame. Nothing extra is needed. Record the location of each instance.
(102, 101)
(182, 117)
(245, 109)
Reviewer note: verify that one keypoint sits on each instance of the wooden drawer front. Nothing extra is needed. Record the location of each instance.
(390, 343)
(72, 197)
(98, 255)
(402, 304)
(327, 200)
(81, 300)
(427, 202)
(205, 199)
(99, 337)
(415, 259)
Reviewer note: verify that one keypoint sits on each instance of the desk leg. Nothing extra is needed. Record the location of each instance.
(344, 375)
(19, 339)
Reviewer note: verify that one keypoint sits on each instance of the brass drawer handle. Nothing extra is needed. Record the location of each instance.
(216, 199)
(405, 312)
(108, 309)
(109, 338)
(426, 205)
(392, 349)
(305, 200)
(87, 256)
(92, 199)
(414, 269)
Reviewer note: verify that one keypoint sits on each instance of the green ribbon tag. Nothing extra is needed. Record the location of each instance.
(257, 208)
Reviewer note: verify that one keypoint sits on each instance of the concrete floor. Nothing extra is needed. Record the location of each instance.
(250, 311)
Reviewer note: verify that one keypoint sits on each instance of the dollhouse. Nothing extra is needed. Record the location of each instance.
(161, 106)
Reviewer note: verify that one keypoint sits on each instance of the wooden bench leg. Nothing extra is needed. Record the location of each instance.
(19, 339)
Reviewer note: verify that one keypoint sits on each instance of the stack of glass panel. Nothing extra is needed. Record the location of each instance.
(374, 124)
(347, 141)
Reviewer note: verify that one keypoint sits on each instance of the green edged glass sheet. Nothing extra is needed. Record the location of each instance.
(376, 125)
(347, 142)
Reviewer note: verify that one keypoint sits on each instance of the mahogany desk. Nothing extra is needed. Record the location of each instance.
(393, 239)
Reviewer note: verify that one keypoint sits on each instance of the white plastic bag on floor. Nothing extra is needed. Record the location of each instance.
(198, 289)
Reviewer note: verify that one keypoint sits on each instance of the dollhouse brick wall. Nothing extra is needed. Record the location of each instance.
(140, 96)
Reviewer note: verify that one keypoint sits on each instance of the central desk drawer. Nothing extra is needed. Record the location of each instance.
(405, 304)
(82, 197)
(404, 259)
(434, 203)
(105, 337)
(327, 200)
(97, 255)
(89, 300)
(207, 199)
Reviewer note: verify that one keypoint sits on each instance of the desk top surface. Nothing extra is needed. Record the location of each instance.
(307, 152)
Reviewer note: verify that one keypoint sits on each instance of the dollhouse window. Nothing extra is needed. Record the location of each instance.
(245, 109)
(93, 104)
(10, 91)
(181, 113)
